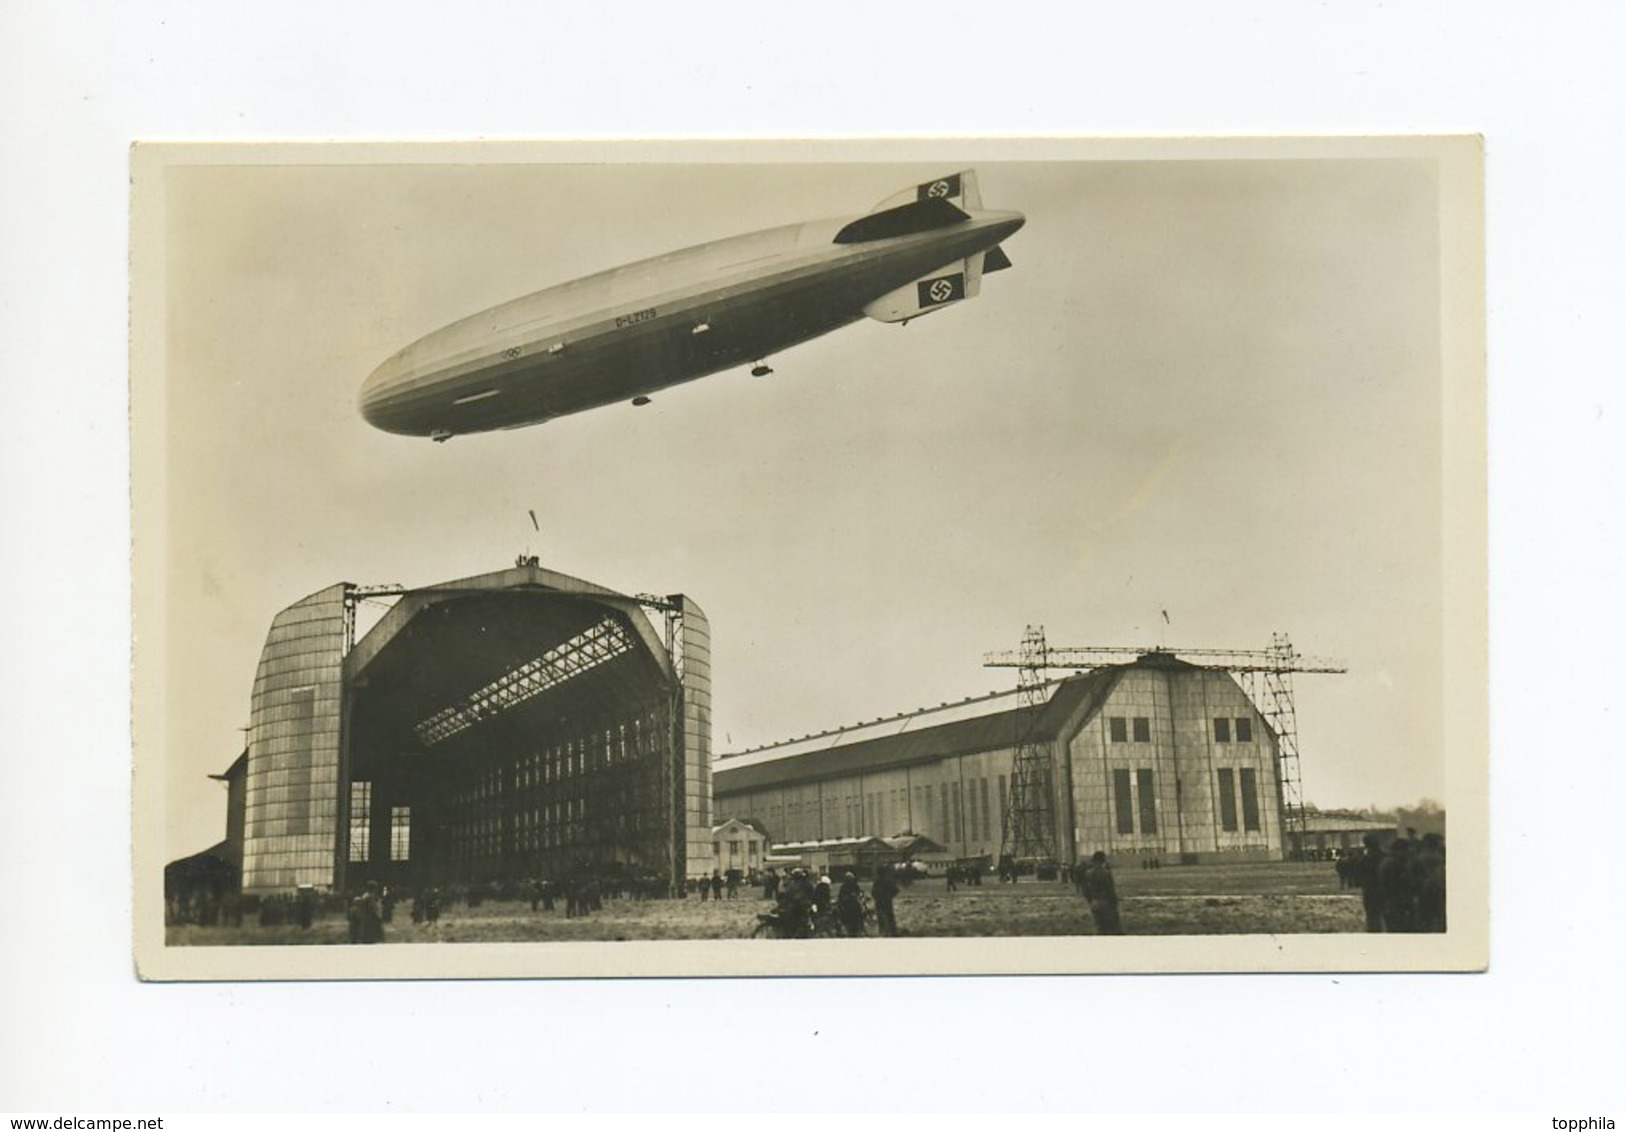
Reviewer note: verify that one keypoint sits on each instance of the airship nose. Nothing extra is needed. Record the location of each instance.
(379, 393)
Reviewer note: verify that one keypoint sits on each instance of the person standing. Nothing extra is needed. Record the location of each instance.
(1398, 881)
(1366, 872)
(796, 905)
(884, 892)
(1430, 891)
(1100, 889)
(849, 905)
(367, 916)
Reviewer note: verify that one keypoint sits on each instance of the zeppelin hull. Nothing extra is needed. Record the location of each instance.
(552, 354)
(605, 363)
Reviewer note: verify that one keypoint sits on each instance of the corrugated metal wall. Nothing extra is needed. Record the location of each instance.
(291, 808)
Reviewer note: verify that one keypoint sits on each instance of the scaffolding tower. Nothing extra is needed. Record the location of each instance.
(1028, 831)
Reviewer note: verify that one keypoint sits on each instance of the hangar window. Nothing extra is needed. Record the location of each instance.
(360, 819)
(1122, 789)
(1142, 729)
(1221, 731)
(400, 832)
(987, 818)
(1227, 800)
(1249, 798)
(1244, 729)
(1148, 802)
(1119, 726)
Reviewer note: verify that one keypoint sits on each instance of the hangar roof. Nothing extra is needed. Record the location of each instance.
(983, 724)
(1345, 823)
(451, 657)
(221, 859)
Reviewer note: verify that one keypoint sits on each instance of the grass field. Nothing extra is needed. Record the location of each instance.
(1275, 899)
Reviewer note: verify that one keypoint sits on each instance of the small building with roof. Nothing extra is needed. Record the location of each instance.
(1158, 758)
(1332, 833)
(739, 844)
(835, 855)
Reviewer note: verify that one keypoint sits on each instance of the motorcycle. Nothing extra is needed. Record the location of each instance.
(785, 923)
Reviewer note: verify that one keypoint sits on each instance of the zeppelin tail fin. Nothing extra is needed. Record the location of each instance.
(903, 220)
(951, 284)
(937, 290)
(930, 204)
(956, 188)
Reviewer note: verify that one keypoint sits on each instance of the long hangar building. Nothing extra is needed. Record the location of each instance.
(520, 723)
(525, 723)
(1156, 758)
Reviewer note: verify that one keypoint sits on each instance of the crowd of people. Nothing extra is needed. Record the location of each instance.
(711, 887)
(805, 908)
(1402, 884)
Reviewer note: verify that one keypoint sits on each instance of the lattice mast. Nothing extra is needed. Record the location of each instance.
(1028, 832)
(1266, 677)
(1270, 689)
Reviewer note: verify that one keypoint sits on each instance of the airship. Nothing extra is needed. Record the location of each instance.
(624, 334)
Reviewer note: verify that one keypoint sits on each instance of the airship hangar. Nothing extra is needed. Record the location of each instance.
(514, 724)
(1155, 758)
(524, 723)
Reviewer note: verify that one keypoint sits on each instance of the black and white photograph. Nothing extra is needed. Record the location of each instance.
(1051, 561)
(911, 557)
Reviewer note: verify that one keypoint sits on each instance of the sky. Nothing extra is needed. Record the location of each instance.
(1208, 388)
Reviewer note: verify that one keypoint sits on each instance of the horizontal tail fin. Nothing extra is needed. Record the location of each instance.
(903, 220)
